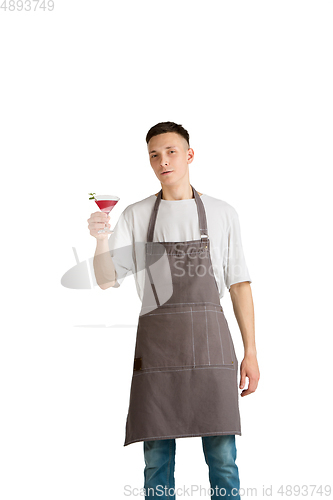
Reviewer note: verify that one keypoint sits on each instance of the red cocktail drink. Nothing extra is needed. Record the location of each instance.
(106, 202)
(106, 205)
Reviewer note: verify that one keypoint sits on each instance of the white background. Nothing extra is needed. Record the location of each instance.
(80, 87)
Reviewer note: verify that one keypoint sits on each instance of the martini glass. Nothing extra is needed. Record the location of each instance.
(106, 202)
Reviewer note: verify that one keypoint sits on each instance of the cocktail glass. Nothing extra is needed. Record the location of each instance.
(106, 202)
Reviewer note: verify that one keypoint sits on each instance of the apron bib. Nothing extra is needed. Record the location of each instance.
(184, 380)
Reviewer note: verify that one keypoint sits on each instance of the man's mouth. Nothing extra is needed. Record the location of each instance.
(166, 172)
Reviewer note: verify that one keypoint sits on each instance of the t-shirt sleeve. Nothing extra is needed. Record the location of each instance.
(122, 249)
(235, 270)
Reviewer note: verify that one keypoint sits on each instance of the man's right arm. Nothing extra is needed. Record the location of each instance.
(103, 265)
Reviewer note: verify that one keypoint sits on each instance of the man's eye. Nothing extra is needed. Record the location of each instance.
(172, 151)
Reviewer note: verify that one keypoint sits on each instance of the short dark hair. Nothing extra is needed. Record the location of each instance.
(164, 127)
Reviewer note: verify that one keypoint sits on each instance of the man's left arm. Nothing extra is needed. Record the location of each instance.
(241, 297)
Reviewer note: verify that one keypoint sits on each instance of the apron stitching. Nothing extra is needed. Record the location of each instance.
(220, 338)
(176, 435)
(186, 366)
(192, 338)
(183, 312)
(228, 337)
(231, 354)
(207, 336)
(146, 371)
(184, 303)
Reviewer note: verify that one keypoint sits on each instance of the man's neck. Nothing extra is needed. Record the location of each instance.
(173, 197)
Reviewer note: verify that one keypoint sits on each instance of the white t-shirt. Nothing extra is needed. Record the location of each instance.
(177, 221)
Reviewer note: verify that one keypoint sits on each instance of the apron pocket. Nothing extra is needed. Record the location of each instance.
(212, 340)
(228, 351)
(165, 340)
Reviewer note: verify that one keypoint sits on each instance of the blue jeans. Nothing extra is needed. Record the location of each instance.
(220, 455)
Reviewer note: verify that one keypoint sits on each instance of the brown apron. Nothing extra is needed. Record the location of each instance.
(184, 379)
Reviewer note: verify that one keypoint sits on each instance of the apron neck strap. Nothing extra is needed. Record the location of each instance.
(201, 215)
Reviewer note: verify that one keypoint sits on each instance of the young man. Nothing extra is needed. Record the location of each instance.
(185, 367)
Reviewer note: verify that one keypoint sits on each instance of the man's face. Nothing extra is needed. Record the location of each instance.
(169, 152)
